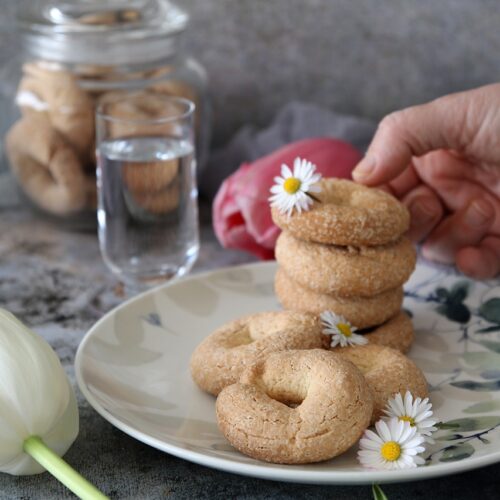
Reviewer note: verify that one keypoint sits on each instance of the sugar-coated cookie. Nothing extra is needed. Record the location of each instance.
(362, 312)
(219, 360)
(346, 271)
(296, 407)
(387, 372)
(348, 214)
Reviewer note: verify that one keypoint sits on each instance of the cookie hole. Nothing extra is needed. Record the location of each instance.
(292, 395)
(242, 337)
(291, 404)
(291, 400)
(289, 387)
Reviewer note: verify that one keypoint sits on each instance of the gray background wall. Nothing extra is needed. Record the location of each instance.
(364, 57)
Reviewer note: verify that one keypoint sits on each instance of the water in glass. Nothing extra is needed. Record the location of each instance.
(148, 231)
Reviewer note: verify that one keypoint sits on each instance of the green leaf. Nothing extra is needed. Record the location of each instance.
(442, 293)
(489, 329)
(490, 374)
(459, 291)
(471, 385)
(490, 310)
(471, 423)
(378, 494)
(482, 407)
(484, 360)
(457, 452)
(491, 345)
(450, 437)
(442, 309)
(454, 311)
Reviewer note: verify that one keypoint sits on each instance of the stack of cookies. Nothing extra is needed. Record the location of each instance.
(284, 395)
(348, 254)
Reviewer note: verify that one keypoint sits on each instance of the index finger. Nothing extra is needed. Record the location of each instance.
(445, 123)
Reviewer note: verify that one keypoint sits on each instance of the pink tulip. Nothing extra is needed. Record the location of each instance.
(241, 210)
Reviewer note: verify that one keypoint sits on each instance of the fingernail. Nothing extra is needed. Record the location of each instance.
(364, 168)
(423, 210)
(436, 254)
(479, 213)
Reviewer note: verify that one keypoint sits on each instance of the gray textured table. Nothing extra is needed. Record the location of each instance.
(56, 282)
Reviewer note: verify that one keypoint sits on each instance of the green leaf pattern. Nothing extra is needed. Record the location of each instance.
(490, 310)
(457, 452)
(466, 369)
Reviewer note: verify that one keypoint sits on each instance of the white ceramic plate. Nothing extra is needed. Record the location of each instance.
(133, 368)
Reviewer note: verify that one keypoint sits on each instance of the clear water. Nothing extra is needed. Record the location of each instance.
(148, 213)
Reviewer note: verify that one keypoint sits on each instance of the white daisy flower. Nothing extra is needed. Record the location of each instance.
(417, 412)
(292, 190)
(341, 331)
(395, 445)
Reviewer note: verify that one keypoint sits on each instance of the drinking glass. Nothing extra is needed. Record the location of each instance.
(146, 177)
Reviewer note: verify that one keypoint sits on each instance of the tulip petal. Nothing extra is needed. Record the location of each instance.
(35, 397)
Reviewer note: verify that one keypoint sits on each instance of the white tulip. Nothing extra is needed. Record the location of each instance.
(35, 397)
(38, 409)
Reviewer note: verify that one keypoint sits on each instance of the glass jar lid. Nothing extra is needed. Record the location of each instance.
(101, 32)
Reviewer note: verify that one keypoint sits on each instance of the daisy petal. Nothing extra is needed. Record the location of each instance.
(297, 163)
(285, 172)
(383, 430)
(373, 436)
(369, 444)
(408, 433)
(408, 401)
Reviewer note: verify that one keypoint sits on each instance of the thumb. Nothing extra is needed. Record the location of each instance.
(415, 131)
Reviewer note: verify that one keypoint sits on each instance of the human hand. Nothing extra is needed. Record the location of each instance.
(442, 159)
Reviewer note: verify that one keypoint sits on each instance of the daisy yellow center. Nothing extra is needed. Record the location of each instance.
(291, 185)
(345, 329)
(406, 418)
(391, 451)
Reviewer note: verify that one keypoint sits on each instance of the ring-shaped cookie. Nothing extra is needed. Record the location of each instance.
(220, 359)
(348, 214)
(346, 271)
(388, 372)
(56, 95)
(363, 312)
(47, 168)
(296, 407)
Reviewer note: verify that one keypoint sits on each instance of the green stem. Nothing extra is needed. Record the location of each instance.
(377, 492)
(36, 448)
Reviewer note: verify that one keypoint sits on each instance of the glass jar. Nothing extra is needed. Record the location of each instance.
(76, 54)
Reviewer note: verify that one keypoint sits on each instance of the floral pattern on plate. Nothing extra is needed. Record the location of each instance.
(133, 367)
(457, 324)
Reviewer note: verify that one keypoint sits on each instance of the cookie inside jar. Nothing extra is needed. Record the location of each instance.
(77, 54)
